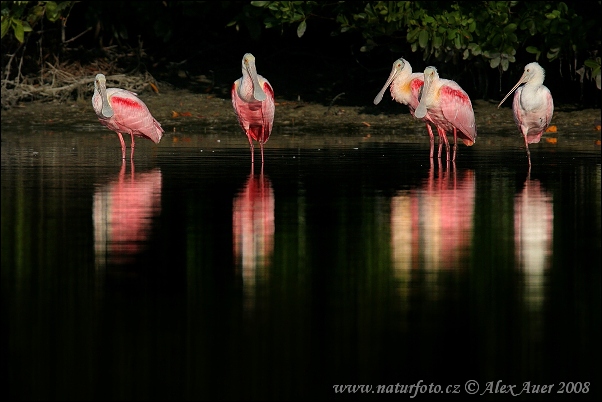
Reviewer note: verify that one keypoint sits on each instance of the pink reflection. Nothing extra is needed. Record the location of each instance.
(122, 212)
(432, 226)
(253, 229)
(533, 230)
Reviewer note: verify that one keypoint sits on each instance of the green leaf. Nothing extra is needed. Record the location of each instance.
(532, 49)
(18, 29)
(37, 11)
(505, 64)
(52, 11)
(497, 40)
(411, 36)
(451, 34)
(301, 28)
(5, 26)
(510, 28)
(552, 54)
(437, 41)
(423, 38)
(260, 3)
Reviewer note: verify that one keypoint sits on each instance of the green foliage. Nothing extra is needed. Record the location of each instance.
(22, 16)
(446, 31)
(274, 14)
(594, 66)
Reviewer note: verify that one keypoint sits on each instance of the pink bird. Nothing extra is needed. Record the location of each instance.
(449, 107)
(533, 106)
(123, 112)
(253, 101)
(405, 88)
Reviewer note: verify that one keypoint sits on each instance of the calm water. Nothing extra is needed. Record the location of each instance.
(349, 260)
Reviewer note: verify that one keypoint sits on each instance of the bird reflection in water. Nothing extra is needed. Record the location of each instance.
(432, 226)
(123, 211)
(533, 229)
(253, 230)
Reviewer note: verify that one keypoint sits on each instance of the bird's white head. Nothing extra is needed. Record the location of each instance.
(533, 74)
(430, 73)
(430, 76)
(400, 65)
(250, 70)
(99, 81)
(100, 88)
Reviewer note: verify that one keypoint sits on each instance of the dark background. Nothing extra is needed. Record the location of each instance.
(190, 45)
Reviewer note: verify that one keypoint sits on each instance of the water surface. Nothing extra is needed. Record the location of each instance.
(346, 260)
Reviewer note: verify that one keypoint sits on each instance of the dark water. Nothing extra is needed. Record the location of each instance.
(349, 260)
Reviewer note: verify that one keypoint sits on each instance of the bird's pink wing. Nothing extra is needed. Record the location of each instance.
(255, 118)
(132, 116)
(237, 102)
(416, 88)
(549, 108)
(535, 122)
(245, 112)
(457, 109)
(268, 108)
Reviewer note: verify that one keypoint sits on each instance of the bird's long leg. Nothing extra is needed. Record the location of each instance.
(432, 138)
(132, 145)
(446, 145)
(455, 144)
(528, 152)
(261, 146)
(440, 142)
(122, 145)
(443, 137)
(252, 149)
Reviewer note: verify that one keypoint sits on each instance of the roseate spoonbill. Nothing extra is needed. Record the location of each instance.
(449, 107)
(533, 106)
(253, 101)
(122, 111)
(405, 88)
